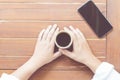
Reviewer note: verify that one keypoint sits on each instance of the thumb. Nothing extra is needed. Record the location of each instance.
(65, 52)
(57, 54)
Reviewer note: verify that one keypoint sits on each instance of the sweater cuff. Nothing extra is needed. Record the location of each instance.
(103, 71)
(8, 77)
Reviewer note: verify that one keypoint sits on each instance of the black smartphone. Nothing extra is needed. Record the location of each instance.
(95, 19)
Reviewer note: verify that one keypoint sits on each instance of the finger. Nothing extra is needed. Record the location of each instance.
(56, 55)
(72, 29)
(49, 37)
(69, 31)
(68, 54)
(65, 52)
(41, 34)
(76, 39)
(81, 34)
(72, 35)
(78, 35)
(54, 37)
(46, 32)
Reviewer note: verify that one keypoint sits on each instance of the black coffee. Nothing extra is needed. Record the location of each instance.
(63, 39)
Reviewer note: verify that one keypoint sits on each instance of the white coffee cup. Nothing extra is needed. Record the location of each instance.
(63, 40)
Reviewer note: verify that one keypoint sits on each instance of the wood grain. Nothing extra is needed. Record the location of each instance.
(65, 75)
(22, 20)
(31, 29)
(62, 63)
(45, 12)
(45, 6)
(49, 1)
(113, 39)
(53, 75)
(25, 46)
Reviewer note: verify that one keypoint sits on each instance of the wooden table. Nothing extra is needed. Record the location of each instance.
(22, 20)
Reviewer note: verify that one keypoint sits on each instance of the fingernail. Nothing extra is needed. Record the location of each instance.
(49, 26)
(57, 29)
(65, 28)
(77, 29)
(43, 30)
(70, 26)
(55, 24)
(60, 49)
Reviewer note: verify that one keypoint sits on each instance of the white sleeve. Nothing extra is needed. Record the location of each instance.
(8, 77)
(106, 71)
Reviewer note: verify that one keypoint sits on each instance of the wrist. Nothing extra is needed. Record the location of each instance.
(93, 63)
(36, 63)
(26, 70)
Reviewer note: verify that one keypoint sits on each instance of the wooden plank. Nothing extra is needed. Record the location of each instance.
(45, 12)
(62, 63)
(12, 62)
(55, 75)
(113, 39)
(44, 6)
(30, 29)
(25, 46)
(83, 74)
(49, 1)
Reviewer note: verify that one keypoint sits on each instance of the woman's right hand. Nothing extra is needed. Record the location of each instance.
(81, 50)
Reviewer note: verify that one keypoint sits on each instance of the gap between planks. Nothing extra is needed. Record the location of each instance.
(36, 38)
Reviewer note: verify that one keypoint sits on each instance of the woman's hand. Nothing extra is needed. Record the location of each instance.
(44, 50)
(81, 51)
(43, 54)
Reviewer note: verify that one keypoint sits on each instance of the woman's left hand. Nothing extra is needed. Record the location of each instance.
(44, 50)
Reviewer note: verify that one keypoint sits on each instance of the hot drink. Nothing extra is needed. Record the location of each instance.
(63, 40)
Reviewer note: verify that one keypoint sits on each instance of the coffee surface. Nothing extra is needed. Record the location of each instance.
(63, 39)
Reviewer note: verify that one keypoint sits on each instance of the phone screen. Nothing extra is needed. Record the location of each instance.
(95, 19)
